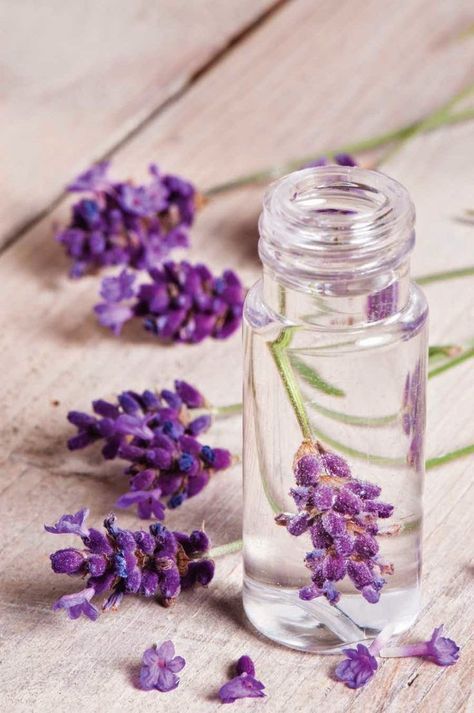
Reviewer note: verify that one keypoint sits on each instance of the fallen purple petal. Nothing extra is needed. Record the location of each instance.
(70, 524)
(159, 668)
(439, 649)
(244, 684)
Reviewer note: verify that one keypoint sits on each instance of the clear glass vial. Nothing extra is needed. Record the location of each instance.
(335, 342)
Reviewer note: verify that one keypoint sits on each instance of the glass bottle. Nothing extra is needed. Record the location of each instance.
(335, 365)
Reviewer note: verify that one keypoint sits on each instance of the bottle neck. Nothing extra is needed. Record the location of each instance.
(335, 245)
(325, 304)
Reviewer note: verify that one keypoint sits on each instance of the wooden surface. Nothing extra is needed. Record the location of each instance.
(308, 76)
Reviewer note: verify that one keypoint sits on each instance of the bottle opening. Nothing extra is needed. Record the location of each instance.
(334, 220)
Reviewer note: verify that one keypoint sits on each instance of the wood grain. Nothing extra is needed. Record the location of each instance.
(312, 75)
(77, 78)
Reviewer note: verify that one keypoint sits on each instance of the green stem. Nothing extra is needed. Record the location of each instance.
(283, 364)
(354, 420)
(314, 379)
(367, 457)
(468, 354)
(447, 275)
(227, 549)
(356, 147)
(448, 457)
(443, 350)
(436, 118)
(223, 411)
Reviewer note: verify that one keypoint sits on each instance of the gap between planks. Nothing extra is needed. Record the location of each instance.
(233, 42)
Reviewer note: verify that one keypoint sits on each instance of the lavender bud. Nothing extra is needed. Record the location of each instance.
(359, 573)
(96, 564)
(245, 665)
(148, 584)
(344, 545)
(366, 546)
(347, 503)
(68, 561)
(382, 510)
(331, 593)
(319, 536)
(309, 592)
(143, 480)
(169, 583)
(363, 489)
(334, 524)
(314, 558)
(307, 469)
(371, 594)
(336, 465)
(302, 497)
(334, 567)
(297, 525)
(323, 497)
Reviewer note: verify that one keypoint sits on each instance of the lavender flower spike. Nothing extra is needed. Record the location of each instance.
(244, 685)
(70, 524)
(183, 303)
(438, 649)
(77, 604)
(156, 433)
(360, 665)
(340, 513)
(159, 668)
(158, 563)
(119, 223)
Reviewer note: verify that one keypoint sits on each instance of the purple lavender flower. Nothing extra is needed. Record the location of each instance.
(77, 604)
(189, 395)
(114, 311)
(70, 524)
(116, 289)
(94, 179)
(439, 649)
(382, 304)
(413, 415)
(159, 668)
(67, 561)
(122, 562)
(340, 159)
(340, 513)
(183, 303)
(358, 668)
(113, 315)
(360, 665)
(156, 433)
(149, 504)
(120, 223)
(244, 685)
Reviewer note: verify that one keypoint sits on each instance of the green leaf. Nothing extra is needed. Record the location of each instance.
(315, 380)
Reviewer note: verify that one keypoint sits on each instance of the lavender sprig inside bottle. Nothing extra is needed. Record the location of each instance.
(340, 513)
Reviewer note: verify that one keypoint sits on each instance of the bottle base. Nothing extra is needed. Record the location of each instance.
(318, 627)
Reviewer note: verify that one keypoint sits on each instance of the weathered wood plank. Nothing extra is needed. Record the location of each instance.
(50, 348)
(78, 77)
